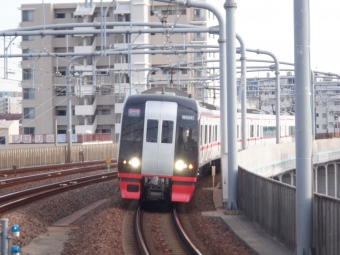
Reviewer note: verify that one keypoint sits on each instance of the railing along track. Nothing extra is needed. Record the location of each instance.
(30, 195)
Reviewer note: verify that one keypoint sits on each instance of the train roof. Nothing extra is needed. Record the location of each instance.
(188, 102)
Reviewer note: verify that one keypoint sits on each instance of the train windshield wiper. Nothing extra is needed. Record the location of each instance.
(139, 132)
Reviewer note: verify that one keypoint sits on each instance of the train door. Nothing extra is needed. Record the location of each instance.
(159, 138)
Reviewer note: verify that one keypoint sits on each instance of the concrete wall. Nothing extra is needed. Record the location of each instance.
(278, 158)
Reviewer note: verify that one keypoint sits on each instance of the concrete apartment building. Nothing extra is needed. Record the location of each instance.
(10, 105)
(98, 96)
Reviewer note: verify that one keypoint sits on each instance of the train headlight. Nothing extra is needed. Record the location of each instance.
(134, 162)
(180, 165)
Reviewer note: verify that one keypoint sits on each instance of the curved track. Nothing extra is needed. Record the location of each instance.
(8, 182)
(17, 199)
(160, 232)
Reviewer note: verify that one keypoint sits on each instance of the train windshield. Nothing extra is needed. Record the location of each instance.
(187, 129)
(133, 124)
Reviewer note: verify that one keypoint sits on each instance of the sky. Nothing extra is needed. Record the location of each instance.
(263, 24)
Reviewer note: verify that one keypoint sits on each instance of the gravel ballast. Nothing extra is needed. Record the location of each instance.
(100, 231)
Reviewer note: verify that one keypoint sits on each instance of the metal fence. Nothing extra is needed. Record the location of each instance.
(270, 204)
(55, 155)
(326, 217)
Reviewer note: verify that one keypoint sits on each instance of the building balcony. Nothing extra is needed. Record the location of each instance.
(62, 120)
(83, 129)
(105, 120)
(85, 49)
(62, 101)
(85, 110)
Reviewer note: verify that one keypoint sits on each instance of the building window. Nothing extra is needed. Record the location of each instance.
(2, 140)
(27, 15)
(317, 126)
(29, 130)
(60, 15)
(106, 112)
(26, 74)
(27, 37)
(27, 51)
(324, 126)
(324, 115)
(61, 113)
(317, 114)
(28, 93)
(29, 113)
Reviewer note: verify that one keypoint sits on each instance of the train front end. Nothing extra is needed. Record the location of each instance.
(158, 150)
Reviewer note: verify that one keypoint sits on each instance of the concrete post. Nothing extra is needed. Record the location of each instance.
(4, 235)
(326, 180)
(303, 135)
(291, 178)
(69, 107)
(230, 6)
(316, 180)
(56, 132)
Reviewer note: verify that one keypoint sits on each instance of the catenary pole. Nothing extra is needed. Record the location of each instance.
(223, 83)
(277, 89)
(230, 7)
(69, 107)
(243, 80)
(303, 134)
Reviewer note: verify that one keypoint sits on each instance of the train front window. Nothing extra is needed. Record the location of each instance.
(187, 134)
(152, 131)
(167, 131)
(133, 124)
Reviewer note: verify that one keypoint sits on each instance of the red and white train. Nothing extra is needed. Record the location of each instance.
(166, 140)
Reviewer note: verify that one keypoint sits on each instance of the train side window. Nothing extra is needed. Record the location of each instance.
(201, 142)
(257, 131)
(152, 131)
(238, 131)
(167, 131)
(251, 130)
(210, 134)
(215, 133)
(205, 134)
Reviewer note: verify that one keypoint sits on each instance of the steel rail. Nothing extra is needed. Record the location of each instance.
(75, 181)
(47, 175)
(143, 250)
(57, 190)
(57, 166)
(188, 244)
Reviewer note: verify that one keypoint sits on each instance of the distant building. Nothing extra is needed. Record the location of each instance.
(97, 91)
(10, 94)
(7, 130)
(10, 105)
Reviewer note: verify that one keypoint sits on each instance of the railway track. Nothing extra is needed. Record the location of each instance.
(20, 198)
(158, 231)
(8, 182)
(21, 170)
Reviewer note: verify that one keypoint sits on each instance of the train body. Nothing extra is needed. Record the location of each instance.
(166, 140)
